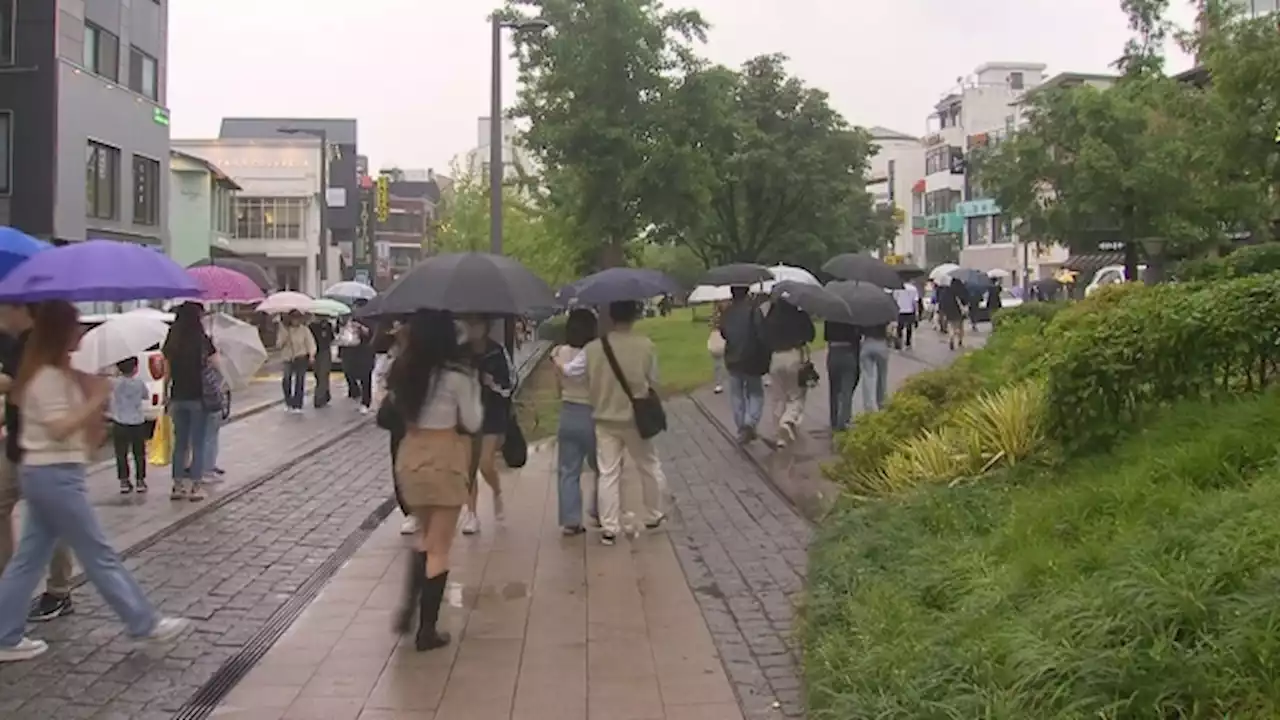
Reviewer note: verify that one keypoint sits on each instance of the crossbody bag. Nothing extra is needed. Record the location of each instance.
(651, 418)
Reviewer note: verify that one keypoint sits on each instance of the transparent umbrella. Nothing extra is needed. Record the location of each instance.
(240, 351)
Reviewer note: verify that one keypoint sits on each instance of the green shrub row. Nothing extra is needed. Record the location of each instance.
(1248, 260)
(1142, 347)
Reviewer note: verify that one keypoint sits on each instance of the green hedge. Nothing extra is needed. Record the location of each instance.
(1147, 346)
(1248, 260)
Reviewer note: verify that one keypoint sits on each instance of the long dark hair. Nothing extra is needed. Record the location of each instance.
(432, 344)
(55, 325)
(187, 339)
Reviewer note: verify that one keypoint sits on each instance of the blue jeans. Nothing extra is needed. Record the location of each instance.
(294, 382)
(746, 396)
(576, 442)
(213, 426)
(843, 371)
(875, 373)
(58, 509)
(190, 420)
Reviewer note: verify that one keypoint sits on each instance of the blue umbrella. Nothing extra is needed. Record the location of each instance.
(15, 247)
(622, 284)
(97, 270)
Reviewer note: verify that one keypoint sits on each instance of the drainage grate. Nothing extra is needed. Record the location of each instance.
(207, 698)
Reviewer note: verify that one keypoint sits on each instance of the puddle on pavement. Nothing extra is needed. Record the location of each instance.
(459, 595)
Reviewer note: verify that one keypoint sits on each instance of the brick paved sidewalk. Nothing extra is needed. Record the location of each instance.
(545, 627)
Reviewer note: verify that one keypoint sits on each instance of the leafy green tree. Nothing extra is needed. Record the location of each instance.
(759, 167)
(534, 237)
(675, 259)
(592, 89)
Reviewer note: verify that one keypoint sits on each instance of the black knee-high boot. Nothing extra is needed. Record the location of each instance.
(413, 584)
(429, 612)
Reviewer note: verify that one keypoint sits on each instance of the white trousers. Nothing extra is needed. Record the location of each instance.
(611, 444)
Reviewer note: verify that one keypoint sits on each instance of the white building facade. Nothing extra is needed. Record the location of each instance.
(515, 158)
(277, 216)
(895, 167)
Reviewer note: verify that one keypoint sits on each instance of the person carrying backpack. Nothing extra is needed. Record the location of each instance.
(746, 357)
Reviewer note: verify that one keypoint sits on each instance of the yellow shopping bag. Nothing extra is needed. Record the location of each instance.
(161, 448)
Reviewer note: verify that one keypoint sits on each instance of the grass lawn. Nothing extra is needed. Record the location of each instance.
(681, 340)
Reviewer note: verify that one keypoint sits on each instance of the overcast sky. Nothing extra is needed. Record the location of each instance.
(415, 73)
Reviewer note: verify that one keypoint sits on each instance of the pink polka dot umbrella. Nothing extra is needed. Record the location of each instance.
(219, 284)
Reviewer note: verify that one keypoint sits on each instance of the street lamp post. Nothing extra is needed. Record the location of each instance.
(323, 136)
(496, 170)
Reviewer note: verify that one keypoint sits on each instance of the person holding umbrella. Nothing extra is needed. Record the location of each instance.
(953, 298)
(188, 352)
(576, 436)
(298, 348)
(63, 417)
(788, 330)
(497, 378)
(747, 358)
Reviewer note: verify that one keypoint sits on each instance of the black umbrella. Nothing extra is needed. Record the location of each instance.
(864, 268)
(251, 270)
(971, 278)
(477, 283)
(813, 299)
(869, 305)
(737, 274)
(910, 272)
(622, 284)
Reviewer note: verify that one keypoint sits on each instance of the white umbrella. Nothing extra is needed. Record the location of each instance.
(708, 293)
(350, 290)
(120, 337)
(942, 273)
(286, 301)
(998, 274)
(785, 272)
(328, 307)
(240, 350)
(152, 313)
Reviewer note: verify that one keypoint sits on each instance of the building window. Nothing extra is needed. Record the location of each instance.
(102, 181)
(8, 30)
(223, 210)
(146, 191)
(289, 278)
(6, 152)
(144, 74)
(262, 218)
(940, 202)
(101, 52)
(1015, 81)
(979, 231)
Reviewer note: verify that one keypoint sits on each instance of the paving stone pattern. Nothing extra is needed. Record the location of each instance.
(743, 550)
(227, 571)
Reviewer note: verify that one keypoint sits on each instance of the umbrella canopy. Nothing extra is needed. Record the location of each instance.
(286, 301)
(15, 247)
(813, 299)
(869, 305)
(787, 273)
(477, 283)
(971, 278)
(152, 313)
(97, 270)
(708, 293)
(371, 309)
(998, 274)
(240, 350)
(328, 307)
(622, 284)
(910, 272)
(220, 284)
(120, 337)
(864, 268)
(942, 273)
(350, 290)
(737, 274)
(251, 270)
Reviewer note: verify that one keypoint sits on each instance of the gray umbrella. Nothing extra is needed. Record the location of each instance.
(869, 305)
(864, 268)
(477, 283)
(814, 299)
(737, 274)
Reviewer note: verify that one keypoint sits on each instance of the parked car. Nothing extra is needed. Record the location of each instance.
(1109, 275)
(151, 363)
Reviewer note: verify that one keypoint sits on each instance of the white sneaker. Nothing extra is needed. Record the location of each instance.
(409, 526)
(470, 524)
(26, 649)
(364, 410)
(167, 629)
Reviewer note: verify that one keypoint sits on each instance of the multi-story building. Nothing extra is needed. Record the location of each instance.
(516, 160)
(277, 210)
(202, 212)
(84, 132)
(981, 103)
(897, 163)
(405, 237)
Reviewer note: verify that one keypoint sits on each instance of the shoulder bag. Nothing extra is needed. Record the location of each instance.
(651, 418)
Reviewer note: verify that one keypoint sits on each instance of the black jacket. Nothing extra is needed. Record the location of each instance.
(745, 350)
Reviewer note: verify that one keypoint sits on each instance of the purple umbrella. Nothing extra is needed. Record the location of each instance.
(97, 270)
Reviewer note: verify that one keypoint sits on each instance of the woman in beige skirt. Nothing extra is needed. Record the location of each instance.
(438, 394)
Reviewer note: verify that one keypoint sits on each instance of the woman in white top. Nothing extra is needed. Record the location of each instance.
(438, 396)
(62, 418)
(576, 437)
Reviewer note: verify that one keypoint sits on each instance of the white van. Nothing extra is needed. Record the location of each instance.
(151, 364)
(1109, 275)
